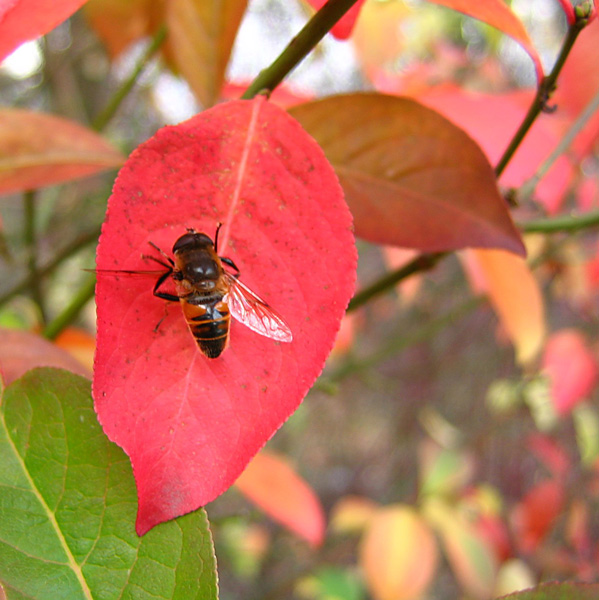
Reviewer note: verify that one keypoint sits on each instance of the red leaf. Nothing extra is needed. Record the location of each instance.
(344, 27)
(571, 367)
(271, 483)
(38, 149)
(533, 517)
(411, 177)
(23, 20)
(497, 14)
(191, 424)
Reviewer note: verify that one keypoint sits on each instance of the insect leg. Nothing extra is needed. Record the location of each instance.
(164, 295)
(168, 258)
(229, 262)
(216, 237)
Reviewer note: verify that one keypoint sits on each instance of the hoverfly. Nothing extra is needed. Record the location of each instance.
(209, 294)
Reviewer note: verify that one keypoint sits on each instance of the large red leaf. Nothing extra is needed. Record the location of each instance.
(411, 177)
(190, 424)
(23, 20)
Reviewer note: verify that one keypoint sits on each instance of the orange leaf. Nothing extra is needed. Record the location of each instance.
(411, 178)
(571, 367)
(515, 295)
(80, 344)
(497, 14)
(353, 514)
(398, 554)
(200, 35)
(21, 351)
(38, 149)
(277, 489)
(119, 22)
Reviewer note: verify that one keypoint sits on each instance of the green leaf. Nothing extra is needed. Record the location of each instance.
(68, 503)
(558, 591)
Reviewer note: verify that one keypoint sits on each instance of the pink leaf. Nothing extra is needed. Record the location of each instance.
(23, 20)
(571, 367)
(498, 14)
(191, 424)
(38, 149)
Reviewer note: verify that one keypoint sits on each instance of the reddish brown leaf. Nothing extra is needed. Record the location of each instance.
(411, 178)
(21, 351)
(38, 149)
(498, 14)
(23, 20)
(476, 114)
(191, 424)
(271, 483)
(398, 554)
(572, 369)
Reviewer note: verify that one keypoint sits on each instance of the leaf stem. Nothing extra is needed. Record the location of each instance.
(104, 117)
(43, 271)
(30, 238)
(424, 262)
(69, 314)
(567, 223)
(305, 41)
(544, 91)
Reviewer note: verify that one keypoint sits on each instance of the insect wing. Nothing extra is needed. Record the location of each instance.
(254, 313)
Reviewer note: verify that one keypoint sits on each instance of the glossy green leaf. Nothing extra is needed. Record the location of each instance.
(68, 503)
(558, 591)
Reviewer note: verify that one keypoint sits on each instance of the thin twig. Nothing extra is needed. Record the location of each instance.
(70, 313)
(30, 238)
(299, 47)
(44, 270)
(544, 92)
(566, 223)
(104, 117)
(529, 186)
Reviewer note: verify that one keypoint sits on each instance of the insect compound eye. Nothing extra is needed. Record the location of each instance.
(192, 239)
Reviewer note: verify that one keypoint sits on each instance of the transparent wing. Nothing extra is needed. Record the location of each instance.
(254, 313)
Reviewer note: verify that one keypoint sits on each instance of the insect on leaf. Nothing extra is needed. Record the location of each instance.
(191, 424)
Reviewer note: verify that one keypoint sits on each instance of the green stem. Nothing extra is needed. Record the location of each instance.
(401, 342)
(103, 118)
(299, 47)
(73, 247)
(566, 223)
(544, 91)
(30, 237)
(70, 313)
(424, 262)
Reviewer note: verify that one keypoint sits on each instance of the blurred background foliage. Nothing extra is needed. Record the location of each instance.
(422, 408)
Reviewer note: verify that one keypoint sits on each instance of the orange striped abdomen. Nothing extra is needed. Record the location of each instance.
(209, 324)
